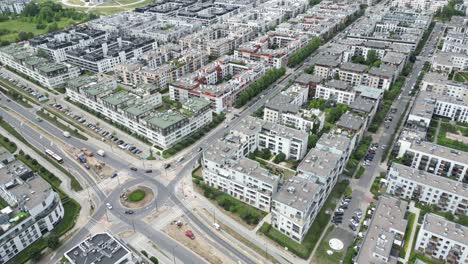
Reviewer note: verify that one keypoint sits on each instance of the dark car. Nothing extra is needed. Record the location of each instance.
(338, 213)
(352, 227)
(167, 166)
(149, 171)
(128, 212)
(133, 169)
(114, 175)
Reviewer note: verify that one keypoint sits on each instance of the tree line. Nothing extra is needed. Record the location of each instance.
(300, 55)
(258, 86)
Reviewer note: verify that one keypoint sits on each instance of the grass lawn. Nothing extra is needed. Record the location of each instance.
(17, 25)
(137, 195)
(321, 256)
(461, 77)
(6, 143)
(455, 144)
(409, 229)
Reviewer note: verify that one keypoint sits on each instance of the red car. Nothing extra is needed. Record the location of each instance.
(189, 234)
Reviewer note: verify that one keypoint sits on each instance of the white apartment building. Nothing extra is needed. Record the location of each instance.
(277, 138)
(412, 184)
(225, 168)
(453, 108)
(433, 158)
(101, 248)
(13, 6)
(438, 84)
(426, 5)
(456, 42)
(443, 240)
(295, 207)
(336, 90)
(386, 229)
(33, 210)
(449, 61)
(357, 74)
(137, 111)
(48, 74)
(326, 66)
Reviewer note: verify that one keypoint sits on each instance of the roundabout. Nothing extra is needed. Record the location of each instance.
(137, 197)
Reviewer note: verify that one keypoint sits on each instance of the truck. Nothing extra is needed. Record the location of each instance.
(66, 134)
(101, 152)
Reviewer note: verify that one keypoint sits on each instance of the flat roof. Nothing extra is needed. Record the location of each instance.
(334, 141)
(389, 215)
(319, 162)
(165, 119)
(282, 103)
(307, 78)
(426, 178)
(354, 67)
(100, 248)
(439, 225)
(361, 104)
(195, 105)
(369, 92)
(118, 97)
(384, 70)
(424, 105)
(440, 151)
(351, 121)
(298, 193)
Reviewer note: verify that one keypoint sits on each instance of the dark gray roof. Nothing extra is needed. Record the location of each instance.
(308, 78)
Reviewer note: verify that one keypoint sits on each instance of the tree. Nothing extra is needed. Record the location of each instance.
(358, 59)
(52, 27)
(333, 115)
(280, 157)
(312, 141)
(52, 241)
(154, 260)
(371, 57)
(36, 254)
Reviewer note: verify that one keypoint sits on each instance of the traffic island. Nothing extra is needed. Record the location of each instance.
(137, 197)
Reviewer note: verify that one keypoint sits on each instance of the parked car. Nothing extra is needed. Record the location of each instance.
(109, 206)
(133, 169)
(129, 212)
(149, 171)
(189, 234)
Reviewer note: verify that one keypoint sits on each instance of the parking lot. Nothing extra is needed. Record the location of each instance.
(104, 134)
(40, 97)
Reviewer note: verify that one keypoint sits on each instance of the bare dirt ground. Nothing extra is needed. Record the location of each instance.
(458, 137)
(148, 197)
(199, 245)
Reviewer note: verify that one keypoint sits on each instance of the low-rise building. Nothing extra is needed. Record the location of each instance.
(138, 110)
(438, 84)
(412, 184)
(309, 81)
(24, 60)
(455, 42)
(386, 229)
(33, 207)
(100, 248)
(442, 239)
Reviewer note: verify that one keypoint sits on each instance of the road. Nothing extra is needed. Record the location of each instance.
(361, 196)
(165, 193)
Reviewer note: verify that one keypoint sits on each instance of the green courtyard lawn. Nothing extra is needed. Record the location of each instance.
(321, 256)
(452, 143)
(136, 195)
(461, 77)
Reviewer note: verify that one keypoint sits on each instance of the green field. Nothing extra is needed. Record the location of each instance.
(17, 25)
(461, 77)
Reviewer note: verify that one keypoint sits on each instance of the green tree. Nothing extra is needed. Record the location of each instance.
(52, 241)
(371, 57)
(333, 115)
(312, 141)
(280, 157)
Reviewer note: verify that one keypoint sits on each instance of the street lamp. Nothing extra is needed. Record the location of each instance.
(173, 255)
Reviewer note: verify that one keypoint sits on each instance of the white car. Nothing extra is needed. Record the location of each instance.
(109, 206)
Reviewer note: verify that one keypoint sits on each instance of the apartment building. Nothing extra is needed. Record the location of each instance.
(433, 158)
(427, 5)
(443, 240)
(272, 48)
(103, 56)
(438, 84)
(326, 65)
(24, 60)
(33, 207)
(295, 207)
(352, 125)
(160, 67)
(219, 82)
(138, 110)
(225, 168)
(165, 29)
(326, 161)
(13, 6)
(386, 229)
(101, 248)
(449, 61)
(413, 184)
(218, 39)
(336, 90)
(358, 74)
(455, 42)
(56, 44)
(309, 81)
(422, 111)
(454, 108)
(277, 138)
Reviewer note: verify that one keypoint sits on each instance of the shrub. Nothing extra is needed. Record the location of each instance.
(137, 195)
(154, 259)
(144, 253)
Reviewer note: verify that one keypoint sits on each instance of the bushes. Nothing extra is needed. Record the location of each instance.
(280, 157)
(154, 259)
(360, 172)
(249, 214)
(136, 195)
(409, 228)
(258, 86)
